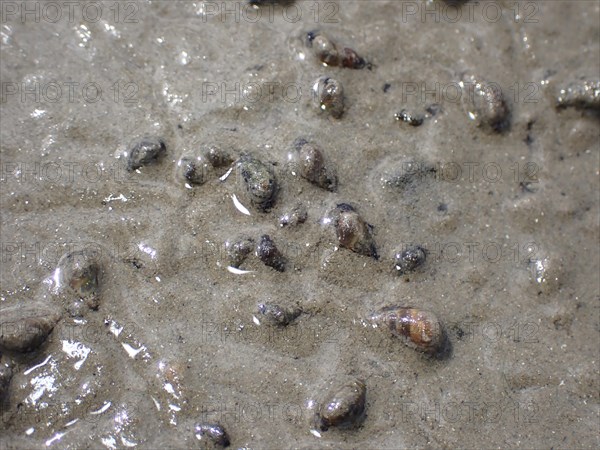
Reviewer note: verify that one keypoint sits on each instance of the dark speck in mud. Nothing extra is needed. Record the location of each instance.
(386, 87)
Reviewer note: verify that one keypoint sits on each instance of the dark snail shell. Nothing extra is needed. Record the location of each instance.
(260, 182)
(145, 151)
(211, 435)
(269, 254)
(420, 329)
(410, 259)
(192, 170)
(344, 407)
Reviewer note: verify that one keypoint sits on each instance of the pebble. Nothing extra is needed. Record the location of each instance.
(26, 326)
(146, 151)
(485, 103)
(313, 166)
(269, 254)
(580, 94)
(352, 231)
(294, 217)
(344, 408)
(409, 259)
(277, 315)
(418, 328)
(211, 435)
(260, 181)
(328, 95)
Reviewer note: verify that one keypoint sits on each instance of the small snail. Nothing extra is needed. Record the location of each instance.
(420, 329)
(146, 151)
(260, 181)
(344, 408)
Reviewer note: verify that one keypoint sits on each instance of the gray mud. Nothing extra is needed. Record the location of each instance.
(509, 220)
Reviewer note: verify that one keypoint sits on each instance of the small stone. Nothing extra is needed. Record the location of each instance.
(269, 254)
(147, 151)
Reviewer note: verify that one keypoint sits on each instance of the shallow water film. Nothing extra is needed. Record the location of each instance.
(299, 224)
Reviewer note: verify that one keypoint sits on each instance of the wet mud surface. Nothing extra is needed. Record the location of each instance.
(198, 225)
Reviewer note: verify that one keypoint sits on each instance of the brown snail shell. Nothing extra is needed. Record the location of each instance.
(420, 329)
(345, 407)
(353, 232)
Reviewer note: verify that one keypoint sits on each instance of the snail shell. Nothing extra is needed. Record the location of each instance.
(420, 329)
(345, 407)
(192, 170)
(268, 253)
(260, 181)
(410, 259)
(353, 232)
(277, 315)
(239, 251)
(326, 51)
(328, 95)
(79, 277)
(146, 151)
(313, 167)
(26, 326)
(211, 435)
(580, 94)
(485, 102)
